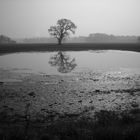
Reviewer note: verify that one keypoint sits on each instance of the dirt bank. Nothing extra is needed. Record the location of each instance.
(12, 48)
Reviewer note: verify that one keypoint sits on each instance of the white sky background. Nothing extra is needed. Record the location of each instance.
(32, 18)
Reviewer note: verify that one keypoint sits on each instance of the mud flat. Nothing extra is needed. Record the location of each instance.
(78, 93)
(46, 99)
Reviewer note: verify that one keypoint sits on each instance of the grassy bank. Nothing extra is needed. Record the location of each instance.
(12, 48)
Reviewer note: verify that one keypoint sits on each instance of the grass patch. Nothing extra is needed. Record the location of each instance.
(109, 125)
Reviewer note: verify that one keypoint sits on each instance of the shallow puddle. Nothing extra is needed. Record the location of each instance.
(71, 61)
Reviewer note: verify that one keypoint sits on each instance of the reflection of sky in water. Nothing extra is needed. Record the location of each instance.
(93, 60)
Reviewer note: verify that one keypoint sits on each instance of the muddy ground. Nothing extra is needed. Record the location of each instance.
(48, 98)
(37, 106)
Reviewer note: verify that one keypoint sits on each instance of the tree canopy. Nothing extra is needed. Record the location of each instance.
(62, 29)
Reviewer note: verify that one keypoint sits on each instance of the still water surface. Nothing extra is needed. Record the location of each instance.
(71, 61)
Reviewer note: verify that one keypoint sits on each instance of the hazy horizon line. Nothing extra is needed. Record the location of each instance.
(71, 36)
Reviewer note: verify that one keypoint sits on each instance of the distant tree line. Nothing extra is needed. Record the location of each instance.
(105, 38)
(94, 38)
(5, 40)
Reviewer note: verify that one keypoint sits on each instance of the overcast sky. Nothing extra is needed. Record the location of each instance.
(32, 18)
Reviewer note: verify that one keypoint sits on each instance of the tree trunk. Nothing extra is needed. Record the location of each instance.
(59, 41)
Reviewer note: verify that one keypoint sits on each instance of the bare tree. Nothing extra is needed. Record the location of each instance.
(62, 29)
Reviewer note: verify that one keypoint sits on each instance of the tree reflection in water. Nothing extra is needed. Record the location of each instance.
(62, 62)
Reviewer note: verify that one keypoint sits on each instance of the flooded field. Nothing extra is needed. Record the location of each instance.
(68, 62)
(38, 90)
